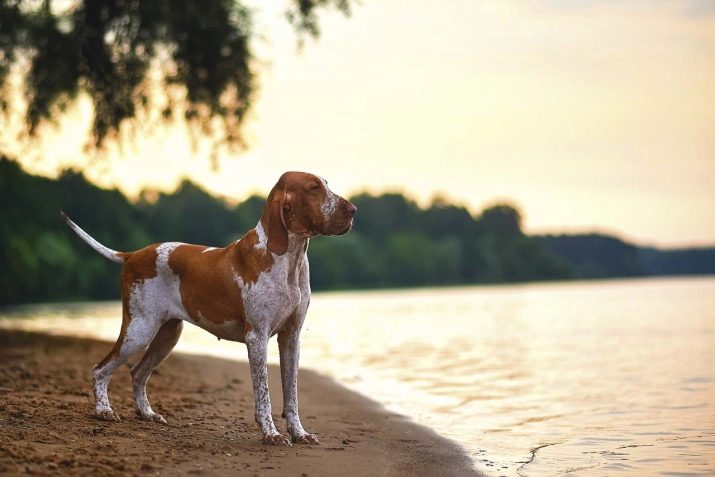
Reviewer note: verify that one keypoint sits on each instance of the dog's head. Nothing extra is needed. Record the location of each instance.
(302, 204)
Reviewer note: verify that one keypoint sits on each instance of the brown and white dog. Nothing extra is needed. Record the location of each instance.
(248, 291)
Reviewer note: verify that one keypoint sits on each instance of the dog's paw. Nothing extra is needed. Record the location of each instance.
(106, 415)
(152, 417)
(159, 418)
(306, 438)
(276, 439)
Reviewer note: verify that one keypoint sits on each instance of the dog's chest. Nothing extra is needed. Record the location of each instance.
(276, 295)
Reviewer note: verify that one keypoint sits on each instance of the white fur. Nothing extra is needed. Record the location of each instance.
(289, 347)
(262, 238)
(274, 298)
(237, 278)
(330, 204)
(275, 294)
(106, 252)
(158, 298)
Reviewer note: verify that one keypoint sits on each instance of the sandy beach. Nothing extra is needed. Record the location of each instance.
(46, 427)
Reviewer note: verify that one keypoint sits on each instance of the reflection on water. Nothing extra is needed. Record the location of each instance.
(596, 378)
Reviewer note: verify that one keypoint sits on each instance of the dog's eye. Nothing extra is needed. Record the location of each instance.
(315, 187)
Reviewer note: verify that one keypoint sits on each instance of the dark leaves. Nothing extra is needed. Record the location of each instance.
(199, 50)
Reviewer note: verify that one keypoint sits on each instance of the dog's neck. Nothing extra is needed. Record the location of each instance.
(297, 246)
(297, 243)
(293, 258)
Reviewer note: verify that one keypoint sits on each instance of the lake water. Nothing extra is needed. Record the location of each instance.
(582, 378)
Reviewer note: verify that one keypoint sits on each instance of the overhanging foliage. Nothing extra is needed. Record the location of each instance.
(107, 48)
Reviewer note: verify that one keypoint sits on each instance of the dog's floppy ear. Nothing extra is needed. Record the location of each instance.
(277, 232)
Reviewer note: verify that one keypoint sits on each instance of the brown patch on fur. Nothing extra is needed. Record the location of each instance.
(207, 284)
(139, 265)
(250, 261)
(274, 222)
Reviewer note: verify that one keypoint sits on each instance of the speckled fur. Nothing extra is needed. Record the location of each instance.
(330, 204)
(270, 291)
(277, 303)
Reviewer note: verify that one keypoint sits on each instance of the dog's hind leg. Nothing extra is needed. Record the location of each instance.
(160, 347)
(137, 332)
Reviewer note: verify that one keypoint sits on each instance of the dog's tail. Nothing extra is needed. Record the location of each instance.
(106, 252)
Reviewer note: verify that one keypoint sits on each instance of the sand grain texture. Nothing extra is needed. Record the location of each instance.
(46, 426)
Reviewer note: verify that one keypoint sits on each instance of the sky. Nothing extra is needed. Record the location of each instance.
(587, 115)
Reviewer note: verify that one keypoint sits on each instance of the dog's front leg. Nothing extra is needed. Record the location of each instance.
(257, 344)
(289, 347)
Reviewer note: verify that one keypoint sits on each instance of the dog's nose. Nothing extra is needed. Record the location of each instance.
(351, 209)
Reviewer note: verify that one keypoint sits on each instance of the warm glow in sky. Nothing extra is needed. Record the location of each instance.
(586, 114)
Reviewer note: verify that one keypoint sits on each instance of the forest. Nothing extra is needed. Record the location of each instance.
(394, 243)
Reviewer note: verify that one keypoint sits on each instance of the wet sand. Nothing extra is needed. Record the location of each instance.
(46, 427)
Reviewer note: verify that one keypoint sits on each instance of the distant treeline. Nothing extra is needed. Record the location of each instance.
(394, 242)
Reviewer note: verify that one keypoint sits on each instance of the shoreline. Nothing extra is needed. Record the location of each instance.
(46, 425)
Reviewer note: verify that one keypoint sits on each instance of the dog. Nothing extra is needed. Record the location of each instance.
(247, 291)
